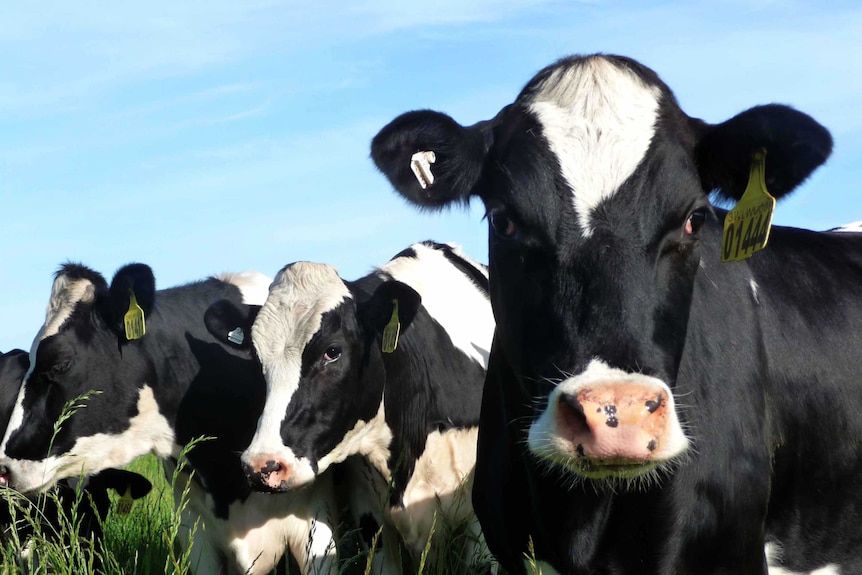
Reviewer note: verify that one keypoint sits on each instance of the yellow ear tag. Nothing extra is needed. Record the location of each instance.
(746, 227)
(134, 321)
(124, 504)
(392, 330)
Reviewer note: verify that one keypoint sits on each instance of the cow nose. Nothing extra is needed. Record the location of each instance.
(5, 476)
(268, 473)
(615, 422)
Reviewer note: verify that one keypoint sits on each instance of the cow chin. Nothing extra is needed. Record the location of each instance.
(609, 425)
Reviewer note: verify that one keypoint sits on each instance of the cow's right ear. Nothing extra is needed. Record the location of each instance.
(132, 280)
(231, 323)
(431, 159)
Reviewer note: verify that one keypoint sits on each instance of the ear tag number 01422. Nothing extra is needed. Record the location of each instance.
(746, 227)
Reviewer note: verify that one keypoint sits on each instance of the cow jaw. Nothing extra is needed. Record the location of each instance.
(148, 431)
(606, 423)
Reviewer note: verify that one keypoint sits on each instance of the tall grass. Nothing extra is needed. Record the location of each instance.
(145, 541)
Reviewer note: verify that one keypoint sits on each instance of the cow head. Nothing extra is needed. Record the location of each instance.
(76, 412)
(596, 187)
(315, 337)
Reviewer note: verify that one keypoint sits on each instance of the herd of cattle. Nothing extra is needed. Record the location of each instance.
(637, 408)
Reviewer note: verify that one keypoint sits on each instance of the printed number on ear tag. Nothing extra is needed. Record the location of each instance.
(134, 321)
(124, 505)
(746, 227)
(392, 330)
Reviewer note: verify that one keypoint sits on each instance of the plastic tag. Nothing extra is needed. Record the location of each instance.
(420, 163)
(392, 330)
(136, 325)
(236, 336)
(747, 226)
(124, 504)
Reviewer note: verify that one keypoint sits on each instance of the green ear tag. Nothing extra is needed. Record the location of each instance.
(392, 330)
(746, 227)
(124, 504)
(134, 321)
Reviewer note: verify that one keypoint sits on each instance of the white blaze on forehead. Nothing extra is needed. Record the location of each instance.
(298, 297)
(450, 297)
(66, 294)
(599, 119)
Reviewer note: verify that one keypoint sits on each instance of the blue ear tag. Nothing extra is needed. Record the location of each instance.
(236, 336)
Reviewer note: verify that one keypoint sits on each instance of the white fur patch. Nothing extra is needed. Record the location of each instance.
(854, 227)
(450, 297)
(441, 483)
(599, 120)
(253, 285)
(148, 431)
(298, 298)
(544, 441)
(773, 557)
(371, 439)
(259, 530)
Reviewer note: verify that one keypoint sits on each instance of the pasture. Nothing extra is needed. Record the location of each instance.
(144, 541)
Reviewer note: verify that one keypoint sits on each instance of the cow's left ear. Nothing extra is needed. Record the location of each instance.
(795, 146)
(376, 312)
(231, 323)
(130, 279)
(431, 159)
(120, 481)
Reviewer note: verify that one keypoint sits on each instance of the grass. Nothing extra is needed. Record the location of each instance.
(142, 542)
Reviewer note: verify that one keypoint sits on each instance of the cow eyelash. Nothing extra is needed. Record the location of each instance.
(332, 353)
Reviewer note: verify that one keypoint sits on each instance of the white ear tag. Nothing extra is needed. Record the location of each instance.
(420, 163)
(236, 336)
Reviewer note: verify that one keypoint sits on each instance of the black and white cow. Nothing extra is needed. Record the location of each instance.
(649, 409)
(157, 393)
(411, 414)
(87, 508)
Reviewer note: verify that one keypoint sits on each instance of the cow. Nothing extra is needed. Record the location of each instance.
(85, 507)
(649, 409)
(162, 381)
(410, 413)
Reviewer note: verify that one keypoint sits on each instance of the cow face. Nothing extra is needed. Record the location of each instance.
(84, 405)
(315, 339)
(596, 189)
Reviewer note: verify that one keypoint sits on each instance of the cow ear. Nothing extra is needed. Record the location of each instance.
(430, 158)
(231, 323)
(131, 279)
(376, 312)
(795, 146)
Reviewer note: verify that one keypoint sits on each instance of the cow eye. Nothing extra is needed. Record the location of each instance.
(695, 221)
(503, 225)
(333, 353)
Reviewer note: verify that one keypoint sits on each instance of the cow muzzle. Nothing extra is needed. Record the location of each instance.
(269, 473)
(617, 427)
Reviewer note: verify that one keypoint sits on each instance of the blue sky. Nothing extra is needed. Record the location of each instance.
(201, 137)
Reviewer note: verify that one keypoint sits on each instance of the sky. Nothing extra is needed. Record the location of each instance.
(207, 136)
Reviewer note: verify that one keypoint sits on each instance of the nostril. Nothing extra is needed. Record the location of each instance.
(5, 475)
(271, 466)
(570, 414)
